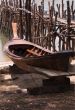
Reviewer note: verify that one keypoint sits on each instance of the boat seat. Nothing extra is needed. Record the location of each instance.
(33, 52)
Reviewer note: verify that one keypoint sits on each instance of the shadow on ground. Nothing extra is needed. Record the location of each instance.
(14, 94)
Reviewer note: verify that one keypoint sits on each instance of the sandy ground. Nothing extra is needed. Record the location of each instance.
(14, 94)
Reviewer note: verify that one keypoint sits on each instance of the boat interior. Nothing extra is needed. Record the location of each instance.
(27, 50)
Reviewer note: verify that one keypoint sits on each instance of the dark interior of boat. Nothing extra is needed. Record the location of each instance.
(27, 50)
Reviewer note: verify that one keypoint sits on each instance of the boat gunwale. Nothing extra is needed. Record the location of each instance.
(22, 42)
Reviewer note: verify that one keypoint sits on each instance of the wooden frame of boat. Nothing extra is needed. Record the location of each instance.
(27, 55)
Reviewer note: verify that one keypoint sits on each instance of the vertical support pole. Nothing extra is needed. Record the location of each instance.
(62, 9)
(49, 27)
(58, 6)
(53, 10)
(68, 24)
(34, 20)
(42, 5)
(17, 3)
(6, 3)
(21, 25)
(72, 9)
(28, 20)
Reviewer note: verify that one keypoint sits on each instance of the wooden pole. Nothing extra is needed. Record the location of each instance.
(28, 20)
(68, 24)
(58, 6)
(72, 9)
(21, 25)
(53, 7)
(62, 8)
(14, 28)
(6, 3)
(68, 17)
(42, 23)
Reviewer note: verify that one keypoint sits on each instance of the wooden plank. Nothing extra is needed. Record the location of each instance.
(51, 73)
(33, 52)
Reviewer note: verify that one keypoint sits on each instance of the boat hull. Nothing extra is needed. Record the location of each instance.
(55, 61)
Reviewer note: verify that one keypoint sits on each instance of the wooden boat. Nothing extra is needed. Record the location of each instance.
(31, 57)
(26, 55)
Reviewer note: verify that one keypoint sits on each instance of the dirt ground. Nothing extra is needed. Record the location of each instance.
(14, 94)
(21, 101)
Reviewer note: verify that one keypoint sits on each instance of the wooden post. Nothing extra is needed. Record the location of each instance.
(23, 4)
(58, 6)
(49, 27)
(42, 5)
(13, 3)
(34, 21)
(68, 16)
(21, 25)
(62, 8)
(10, 3)
(72, 9)
(38, 28)
(68, 24)
(6, 3)
(14, 28)
(73, 44)
(28, 20)
(53, 7)
(17, 5)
